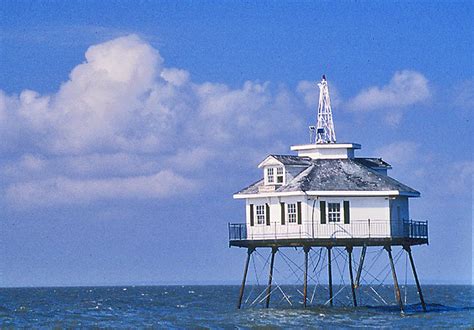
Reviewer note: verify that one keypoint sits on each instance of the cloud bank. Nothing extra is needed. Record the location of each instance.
(125, 126)
(63, 190)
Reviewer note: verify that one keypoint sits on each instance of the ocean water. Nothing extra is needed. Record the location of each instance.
(215, 307)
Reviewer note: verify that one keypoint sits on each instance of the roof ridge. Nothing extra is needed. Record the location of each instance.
(294, 156)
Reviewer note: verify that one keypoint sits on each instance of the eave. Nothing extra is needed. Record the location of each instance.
(342, 193)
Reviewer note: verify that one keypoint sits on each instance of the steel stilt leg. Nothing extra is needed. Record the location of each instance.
(418, 286)
(305, 287)
(270, 276)
(242, 287)
(330, 276)
(361, 265)
(394, 275)
(349, 252)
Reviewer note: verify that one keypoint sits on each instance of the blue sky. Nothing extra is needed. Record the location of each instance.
(127, 127)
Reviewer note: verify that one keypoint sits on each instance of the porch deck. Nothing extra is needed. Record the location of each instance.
(408, 234)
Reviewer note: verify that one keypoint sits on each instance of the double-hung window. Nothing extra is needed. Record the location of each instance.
(270, 175)
(260, 213)
(275, 175)
(291, 213)
(279, 175)
(334, 212)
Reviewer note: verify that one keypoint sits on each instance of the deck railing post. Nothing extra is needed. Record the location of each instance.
(368, 220)
(426, 228)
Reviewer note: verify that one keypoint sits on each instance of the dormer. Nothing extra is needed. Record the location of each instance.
(274, 175)
(273, 171)
(280, 169)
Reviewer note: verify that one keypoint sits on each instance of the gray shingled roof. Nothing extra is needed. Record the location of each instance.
(373, 162)
(292, 160)
(337, 175)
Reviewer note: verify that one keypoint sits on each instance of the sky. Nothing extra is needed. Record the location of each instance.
(127, 126)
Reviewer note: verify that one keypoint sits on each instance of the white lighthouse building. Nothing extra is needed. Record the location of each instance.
(325, 195)
(326, 192)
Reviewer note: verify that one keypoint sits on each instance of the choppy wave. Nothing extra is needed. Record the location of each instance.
(215, 307)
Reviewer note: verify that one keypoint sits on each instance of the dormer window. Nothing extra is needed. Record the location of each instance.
(275, 175)
(270, 175)
(279, 176)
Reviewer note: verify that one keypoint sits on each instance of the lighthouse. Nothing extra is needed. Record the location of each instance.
(325, 196)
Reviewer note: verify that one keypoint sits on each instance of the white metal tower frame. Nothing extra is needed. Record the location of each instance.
(325, 132)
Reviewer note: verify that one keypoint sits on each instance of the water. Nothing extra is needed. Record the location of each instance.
(215, 307)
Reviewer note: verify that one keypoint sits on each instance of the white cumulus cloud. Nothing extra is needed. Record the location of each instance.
(406, 88)
(63, 190)
(124, 125)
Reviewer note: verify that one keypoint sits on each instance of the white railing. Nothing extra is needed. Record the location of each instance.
(368, 228)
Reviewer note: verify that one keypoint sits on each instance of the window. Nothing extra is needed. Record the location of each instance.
(279, 174)
(275, 175)
(270, 177)
(260, 212)
(334, 212)
(291, 213)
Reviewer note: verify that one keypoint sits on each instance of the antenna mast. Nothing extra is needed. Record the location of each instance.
(325, 127)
